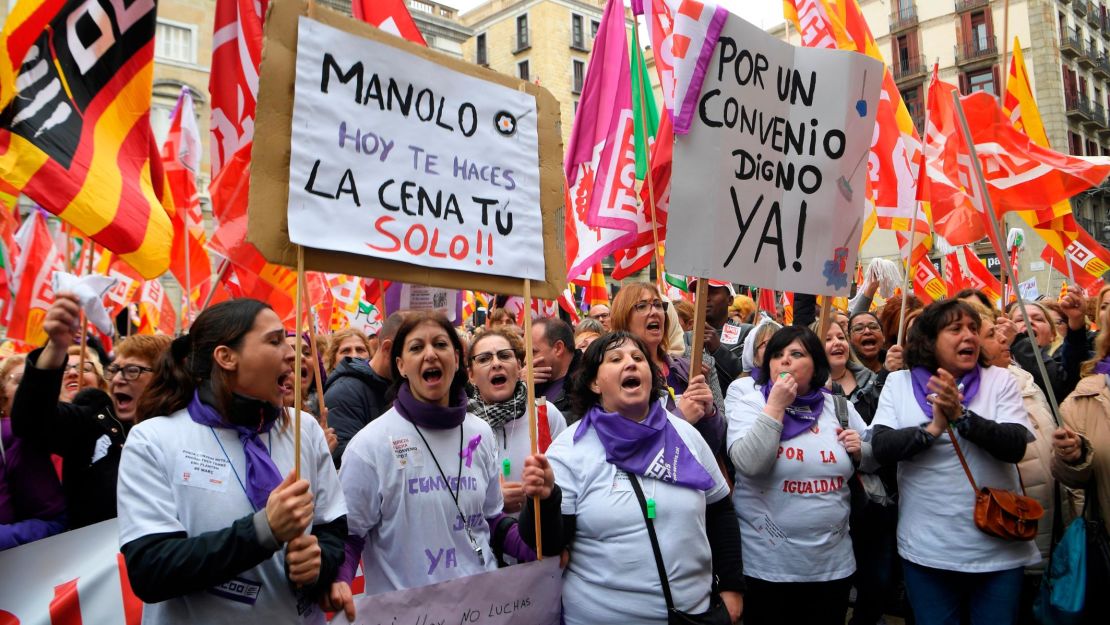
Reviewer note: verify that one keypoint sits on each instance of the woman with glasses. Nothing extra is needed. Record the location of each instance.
(422, 481)
(692, 395)
(32, 505)
(501, 400)
(951, 567)
(866, 335)
(88, 433)
(1063, 366)
(793, 461)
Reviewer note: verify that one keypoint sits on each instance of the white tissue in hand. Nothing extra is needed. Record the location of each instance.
(89, 291)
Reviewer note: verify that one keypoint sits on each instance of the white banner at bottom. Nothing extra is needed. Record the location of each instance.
(523, 594)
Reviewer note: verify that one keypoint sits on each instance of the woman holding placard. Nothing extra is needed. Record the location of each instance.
(501, 400)
(422, 481)
(793, 461)
(640, 310)
(949, 398)
(646, 515)
(210, 531)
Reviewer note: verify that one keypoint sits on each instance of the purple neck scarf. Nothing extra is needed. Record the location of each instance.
(262, 474)
(1103, 366)
(431, 416)
(968, 385)
(800, 415)
(651, 448)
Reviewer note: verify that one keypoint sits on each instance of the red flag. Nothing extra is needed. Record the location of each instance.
(156, 311)
(1020, 175)
(966, 271)
(767, 301)
(39, 258)
(392, 16)
(543, 428)
(1089, 261)
(566, 302)
(181, 157)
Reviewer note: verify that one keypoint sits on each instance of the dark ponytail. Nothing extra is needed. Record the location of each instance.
(188, 363)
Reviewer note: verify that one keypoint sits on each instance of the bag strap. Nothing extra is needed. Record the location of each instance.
(654, 541)
(841, 403)
(963, 461)
(960, 455)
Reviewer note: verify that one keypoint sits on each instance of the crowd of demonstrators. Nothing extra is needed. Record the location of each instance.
(830, 460)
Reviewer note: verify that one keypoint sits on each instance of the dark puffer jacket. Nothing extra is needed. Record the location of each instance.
(355, 396)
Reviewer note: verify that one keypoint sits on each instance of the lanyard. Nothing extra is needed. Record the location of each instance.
(455, 493)
(270, 450)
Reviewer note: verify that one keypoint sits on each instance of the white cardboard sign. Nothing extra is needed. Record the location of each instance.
(396, 157)
(769, 184)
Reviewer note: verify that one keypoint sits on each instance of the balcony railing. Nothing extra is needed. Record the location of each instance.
(1071, 44)
(1093, 14)
(967, 5)
(522, 40)
(1102, 65)
(910, 68)
(976, 50)
(903, 17)
(1077, 106)
(1089, 57)
(1080, 7)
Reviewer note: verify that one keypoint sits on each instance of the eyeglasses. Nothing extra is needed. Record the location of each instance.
(1062, 322)
(599, 316)
(88, 367)
(860, 327)
(644, 305)
(130, 372)
(486, 358)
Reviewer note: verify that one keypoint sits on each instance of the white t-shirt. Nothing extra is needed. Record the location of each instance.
(612, 577)
(514, 442)
(736, 392)
(794, 519)
(936, 526)
(399, 503)
(175, 477)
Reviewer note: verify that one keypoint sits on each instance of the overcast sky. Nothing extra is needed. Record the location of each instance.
(762, 13)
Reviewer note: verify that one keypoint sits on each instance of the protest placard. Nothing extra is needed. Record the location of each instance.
(522, 594)
(769, 184)
(382, 158)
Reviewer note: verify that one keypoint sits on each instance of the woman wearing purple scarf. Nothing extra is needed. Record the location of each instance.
(1081, 453)
(627, 434)
(793, 461)
(211, 531)
(422, 480)
(952, 568)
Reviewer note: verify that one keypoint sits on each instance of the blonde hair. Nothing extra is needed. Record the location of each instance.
(6, 367)
(336, 340)
(90, 356)
(1102, 341)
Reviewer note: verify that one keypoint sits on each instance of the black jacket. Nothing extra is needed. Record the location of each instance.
(78, 432)
(355, 396)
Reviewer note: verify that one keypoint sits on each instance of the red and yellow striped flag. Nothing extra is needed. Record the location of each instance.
(78, 139)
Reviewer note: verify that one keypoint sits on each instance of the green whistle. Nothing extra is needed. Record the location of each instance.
(651, 508)
(505, 467)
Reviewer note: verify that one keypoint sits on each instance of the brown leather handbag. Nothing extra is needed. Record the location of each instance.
(1002, 513)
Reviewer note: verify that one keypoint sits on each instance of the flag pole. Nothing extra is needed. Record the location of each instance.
(84, 324)
(643, 128)
(224, 266)
(310, 317)
(992, 219)
(700, 290)
(297, 369)
(530, 386)
(906, 278)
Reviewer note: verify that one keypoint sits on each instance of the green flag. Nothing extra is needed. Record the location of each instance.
(640, 98)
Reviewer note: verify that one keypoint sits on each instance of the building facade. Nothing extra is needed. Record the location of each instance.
(547, 42)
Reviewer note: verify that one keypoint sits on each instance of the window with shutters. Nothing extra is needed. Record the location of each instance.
(522, 39)
(578, 74)
(175, 42)
(522, 70)
(577, 32)
(480, 54)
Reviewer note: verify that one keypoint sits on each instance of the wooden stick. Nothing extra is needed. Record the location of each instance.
(906, 278)
(224, 266)
(1005, 73)
(297, 369)
(696, 349)
(316, 364)
(530, 385)
(825, 320)
(993, 220)
(647, 177)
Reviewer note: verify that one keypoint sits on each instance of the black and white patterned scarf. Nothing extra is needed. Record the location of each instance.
(498, 414)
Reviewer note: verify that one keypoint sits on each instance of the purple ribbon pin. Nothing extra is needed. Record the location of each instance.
(468, 453)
